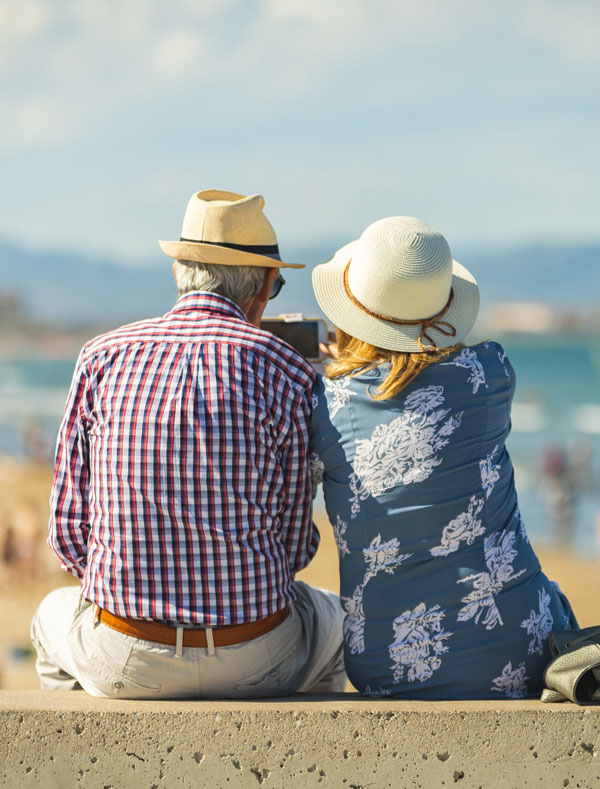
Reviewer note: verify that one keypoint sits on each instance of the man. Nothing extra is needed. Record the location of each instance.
(182, 495)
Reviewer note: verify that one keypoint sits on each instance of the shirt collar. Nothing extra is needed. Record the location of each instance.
(202, 301)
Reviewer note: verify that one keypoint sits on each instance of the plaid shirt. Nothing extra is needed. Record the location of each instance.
(182, 486)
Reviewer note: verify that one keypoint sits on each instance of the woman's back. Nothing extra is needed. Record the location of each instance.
(443, 593)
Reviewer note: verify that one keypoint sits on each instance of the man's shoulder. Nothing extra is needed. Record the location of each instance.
(280, 355)
(221, 330)
(139, 331)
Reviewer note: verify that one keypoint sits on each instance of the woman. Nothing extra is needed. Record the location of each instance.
(444, 596)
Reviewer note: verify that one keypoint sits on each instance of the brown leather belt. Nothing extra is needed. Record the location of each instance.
(224, 636)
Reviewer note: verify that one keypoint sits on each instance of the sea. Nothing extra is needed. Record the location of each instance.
(555, 426)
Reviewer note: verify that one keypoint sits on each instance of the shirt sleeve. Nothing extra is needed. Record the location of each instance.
(300, 532)
(69, 529)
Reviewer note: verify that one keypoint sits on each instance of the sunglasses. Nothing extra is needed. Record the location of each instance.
(277, 285)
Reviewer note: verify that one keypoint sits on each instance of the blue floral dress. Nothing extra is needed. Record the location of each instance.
(443, 593)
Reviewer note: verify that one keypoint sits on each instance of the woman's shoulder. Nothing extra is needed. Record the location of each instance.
(356, 382)
(488, 350)
(491, 348)
(482, 368)
(484, 362)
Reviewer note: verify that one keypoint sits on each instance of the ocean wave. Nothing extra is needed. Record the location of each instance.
(586, 418)
(42, 401)
(528, 417)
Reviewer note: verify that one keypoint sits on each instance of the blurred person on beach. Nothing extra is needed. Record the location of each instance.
(559, 495)
(182, 495)
(37, 448)
(565, 474)
(20, 538)
(8, 543)
(443, 593)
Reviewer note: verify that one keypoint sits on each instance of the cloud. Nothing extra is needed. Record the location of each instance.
(356, 28)
(19, 23)
(178, 53)
(67, 66)
(571, 29)
(303, 97)
(35, 121)
(92, 61)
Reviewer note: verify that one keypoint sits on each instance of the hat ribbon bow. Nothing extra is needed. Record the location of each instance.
(433, 322)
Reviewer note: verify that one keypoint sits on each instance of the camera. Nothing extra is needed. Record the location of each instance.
(303, 334)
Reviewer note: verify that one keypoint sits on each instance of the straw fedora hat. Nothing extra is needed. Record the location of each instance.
(397, 287)
(227, 229)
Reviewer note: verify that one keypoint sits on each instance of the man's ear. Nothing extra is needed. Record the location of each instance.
(255, 307)
(267, 286)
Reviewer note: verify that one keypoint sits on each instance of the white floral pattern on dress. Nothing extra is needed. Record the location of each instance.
(359, 493)
(339, 388)
(499, 556)
(539, 624)
(418, 643)
(469, 360)
(465, 526)
(512, 682)
(404, 451)
(339, 529)
(565, 618)
(317, 469)
(354, 622)
(315, 400)
(521, 530)
(565, 621)
(379, 557)
(490, 473)
(377, 693)
(502, 358)
(382, 557)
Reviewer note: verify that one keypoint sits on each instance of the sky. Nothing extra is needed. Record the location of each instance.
(481, 118)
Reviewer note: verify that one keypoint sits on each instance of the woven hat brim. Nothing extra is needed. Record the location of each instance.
(222, 256)
(328, 284)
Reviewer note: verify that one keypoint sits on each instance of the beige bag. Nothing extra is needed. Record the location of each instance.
(573, 674)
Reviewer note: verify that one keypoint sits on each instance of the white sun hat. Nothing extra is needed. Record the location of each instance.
(227, 229)
(397, 287)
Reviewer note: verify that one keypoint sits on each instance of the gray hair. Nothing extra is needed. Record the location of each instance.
(238, 283)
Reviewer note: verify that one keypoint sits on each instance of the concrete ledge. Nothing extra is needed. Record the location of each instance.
(66, 740)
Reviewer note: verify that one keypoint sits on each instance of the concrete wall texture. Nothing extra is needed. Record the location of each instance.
(69, 740)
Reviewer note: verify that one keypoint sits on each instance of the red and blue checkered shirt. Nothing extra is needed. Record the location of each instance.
(182, 486)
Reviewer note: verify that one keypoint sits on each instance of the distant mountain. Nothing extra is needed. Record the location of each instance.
(565, 276)
(65, 289)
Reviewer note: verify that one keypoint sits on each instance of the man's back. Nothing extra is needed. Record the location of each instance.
(182, 491)
(198, 508)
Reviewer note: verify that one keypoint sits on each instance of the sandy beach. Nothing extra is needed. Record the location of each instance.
(23, 504)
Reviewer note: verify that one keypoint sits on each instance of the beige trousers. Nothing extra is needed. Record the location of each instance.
(302, 654)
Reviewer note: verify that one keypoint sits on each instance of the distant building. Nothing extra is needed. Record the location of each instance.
(521, 316)
(536, 317)
(11, 311)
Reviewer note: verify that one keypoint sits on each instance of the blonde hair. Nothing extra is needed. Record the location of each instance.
(356, 357)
